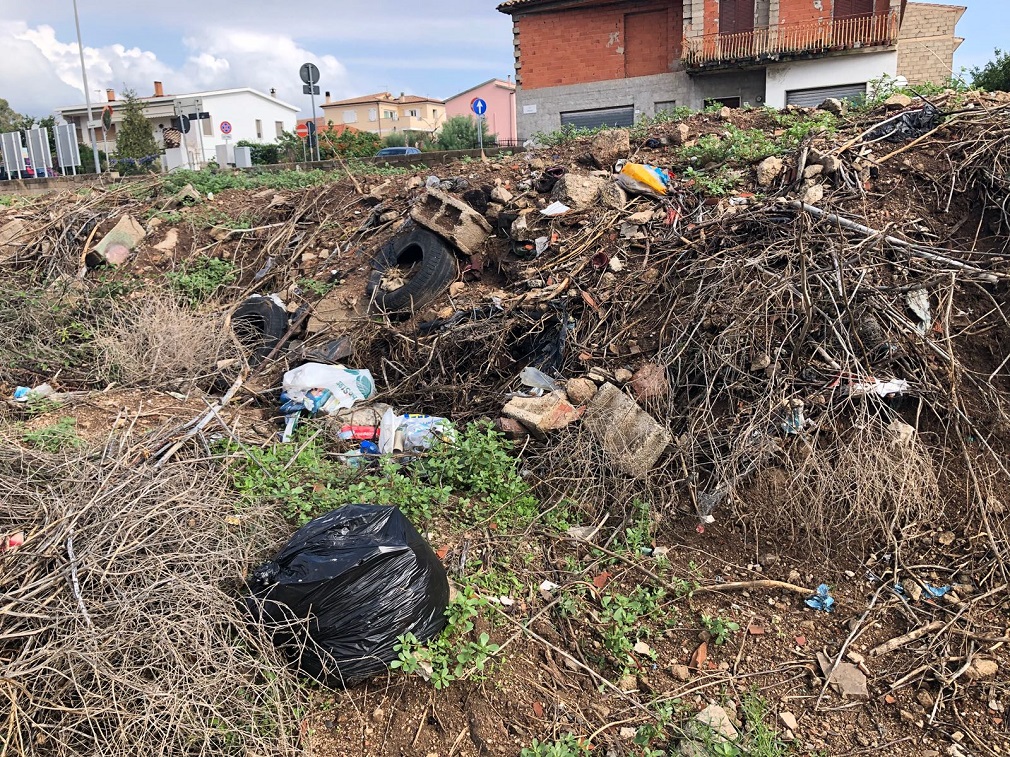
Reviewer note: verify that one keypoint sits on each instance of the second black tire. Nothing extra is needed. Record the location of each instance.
(437, 269)
(259, 324)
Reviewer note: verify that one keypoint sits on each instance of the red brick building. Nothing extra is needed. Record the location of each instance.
(589, 62)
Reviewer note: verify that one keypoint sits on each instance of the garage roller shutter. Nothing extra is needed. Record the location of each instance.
(591, 119)
(811, 98)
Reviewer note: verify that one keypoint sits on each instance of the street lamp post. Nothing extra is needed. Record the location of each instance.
(87, 93)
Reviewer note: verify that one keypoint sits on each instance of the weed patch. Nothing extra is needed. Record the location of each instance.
(199, 279)
(56, 437)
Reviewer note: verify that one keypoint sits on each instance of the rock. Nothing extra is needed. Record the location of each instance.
(901, 433)
(613, 196)
(642, 217)
(627, 683)
(628, 733)
(788, 720)
(453, 219)
(924, 698)
(814, 170)
(630, 437)
(813, 194)
(832, 164)
(13, 238)
(542, 414)
(946, 538)
(378, 715)
(580, 390)
(511, 429)
(681, 672)
(187, 196)
(578, 192)
(381, 190)
(502, 195)
(847, 679)
(631, 231)
(897, 101)
(623, 375)
(760, 362)
(609, 146)
(169, 243)
(716, 719)
(906, 716)
(680, 134)
(116, 246)
(834, 105)
(725, 113)
(768, 170)
(650, 383)
(389, 216)
(981, 669)
(456, 288)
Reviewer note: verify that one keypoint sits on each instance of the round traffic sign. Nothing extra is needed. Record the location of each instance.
(225, 127)
(302, 130)
(478, 106)
(309, 73)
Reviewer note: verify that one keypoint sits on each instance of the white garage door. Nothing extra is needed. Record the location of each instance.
(591, 119)
(811, 98)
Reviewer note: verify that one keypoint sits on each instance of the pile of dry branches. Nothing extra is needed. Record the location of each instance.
(122, 633)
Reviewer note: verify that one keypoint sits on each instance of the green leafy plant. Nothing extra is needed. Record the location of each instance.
(622, 617)
(199, 279)
(567, 746)
(758, 738)
(734, 145)
(994, 76)
(314, 286)
(716, 183)
(718, 628)
(56, 437)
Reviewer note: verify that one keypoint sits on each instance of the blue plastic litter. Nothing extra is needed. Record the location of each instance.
(929, 591)
(822, 600)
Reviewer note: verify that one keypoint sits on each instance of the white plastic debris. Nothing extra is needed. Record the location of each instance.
(345, 386)
(556, 208)
(918, 303)
(878, 387)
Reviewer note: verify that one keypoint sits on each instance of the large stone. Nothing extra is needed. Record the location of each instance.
(580, 390)
(834, 105)
(768, 170)
(116, 246)
(13, 238)
(169, 243)
(631, 438)
(711, 726)
(813, 194)
(897, 101)
(542, 414)
(453, 219)
(610, 145)
(613, 195)
(680, 134)
(832, 164)
(847, 679)
(501, 194)
(650, 383)
(981, 669)
(578, 192)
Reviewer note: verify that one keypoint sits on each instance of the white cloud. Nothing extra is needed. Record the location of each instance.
(218, 59)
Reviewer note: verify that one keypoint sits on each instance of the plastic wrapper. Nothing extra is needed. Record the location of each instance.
(636, 176)
(344, 588)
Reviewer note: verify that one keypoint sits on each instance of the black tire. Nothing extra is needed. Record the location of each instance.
(259, 324)
(436, 270)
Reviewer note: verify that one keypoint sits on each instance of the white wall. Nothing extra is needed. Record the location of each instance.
(241, 110)
(857, 68)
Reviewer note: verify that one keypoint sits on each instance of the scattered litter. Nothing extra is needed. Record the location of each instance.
(918, 303)
(541, 244)
(33, 394)
(644, 179)
(538, 380)
(364, 576)
(317, 388)
(878, 387)
(12, 541)
(822, 600)
(556, 208)
(909, 125)
(793, 424)
(549, 586)
(411, 432)
(919, 590)
(584, 533)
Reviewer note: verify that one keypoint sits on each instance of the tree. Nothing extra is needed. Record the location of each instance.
(395, 139)
(460, 133)
(136, 149)
(994, 75)
(10, 119)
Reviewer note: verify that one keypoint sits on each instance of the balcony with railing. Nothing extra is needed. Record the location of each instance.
(786, 41)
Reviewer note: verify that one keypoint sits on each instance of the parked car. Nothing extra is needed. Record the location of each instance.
(385, 152)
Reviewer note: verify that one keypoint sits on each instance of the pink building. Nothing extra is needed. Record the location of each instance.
(500, 97)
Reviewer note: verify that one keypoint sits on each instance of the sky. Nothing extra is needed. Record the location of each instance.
(423, 47)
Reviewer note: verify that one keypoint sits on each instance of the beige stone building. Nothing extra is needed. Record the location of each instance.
(927, 42)
(384, 114)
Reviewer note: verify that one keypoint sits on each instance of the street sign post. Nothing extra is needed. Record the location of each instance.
(225, 127)
(479, 107)
(302, 130)
(309, 73)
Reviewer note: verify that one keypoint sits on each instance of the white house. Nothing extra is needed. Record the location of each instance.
(232, 115)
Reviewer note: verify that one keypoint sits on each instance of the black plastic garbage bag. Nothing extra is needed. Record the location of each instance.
(912, 124)
(352, 581)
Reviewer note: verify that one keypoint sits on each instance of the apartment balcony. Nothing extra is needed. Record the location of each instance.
(791, 41)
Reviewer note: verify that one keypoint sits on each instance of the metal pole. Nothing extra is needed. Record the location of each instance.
(203, 153)
(87, 94)
(312, 134)
(480, 133)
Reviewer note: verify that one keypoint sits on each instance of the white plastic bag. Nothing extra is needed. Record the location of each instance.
(345, 385)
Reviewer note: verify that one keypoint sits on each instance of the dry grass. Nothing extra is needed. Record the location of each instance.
(157, 339)
(122, 634)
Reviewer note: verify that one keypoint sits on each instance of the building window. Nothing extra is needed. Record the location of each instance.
(259, 129)
(373, 114)
(414, 113)
(736, 16)
(727, 102)
(279, 128)
(208, 127)
(390, 114)
(350, 116)
(434, 113)
(666, 106)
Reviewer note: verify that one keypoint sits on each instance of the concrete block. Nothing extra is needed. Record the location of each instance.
(632, 438)
(542, 414)
(116, 246)
(453, 219)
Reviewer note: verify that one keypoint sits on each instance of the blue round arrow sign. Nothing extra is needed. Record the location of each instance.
(478, 106)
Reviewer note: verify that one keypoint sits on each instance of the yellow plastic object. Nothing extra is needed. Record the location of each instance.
(648, 175)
